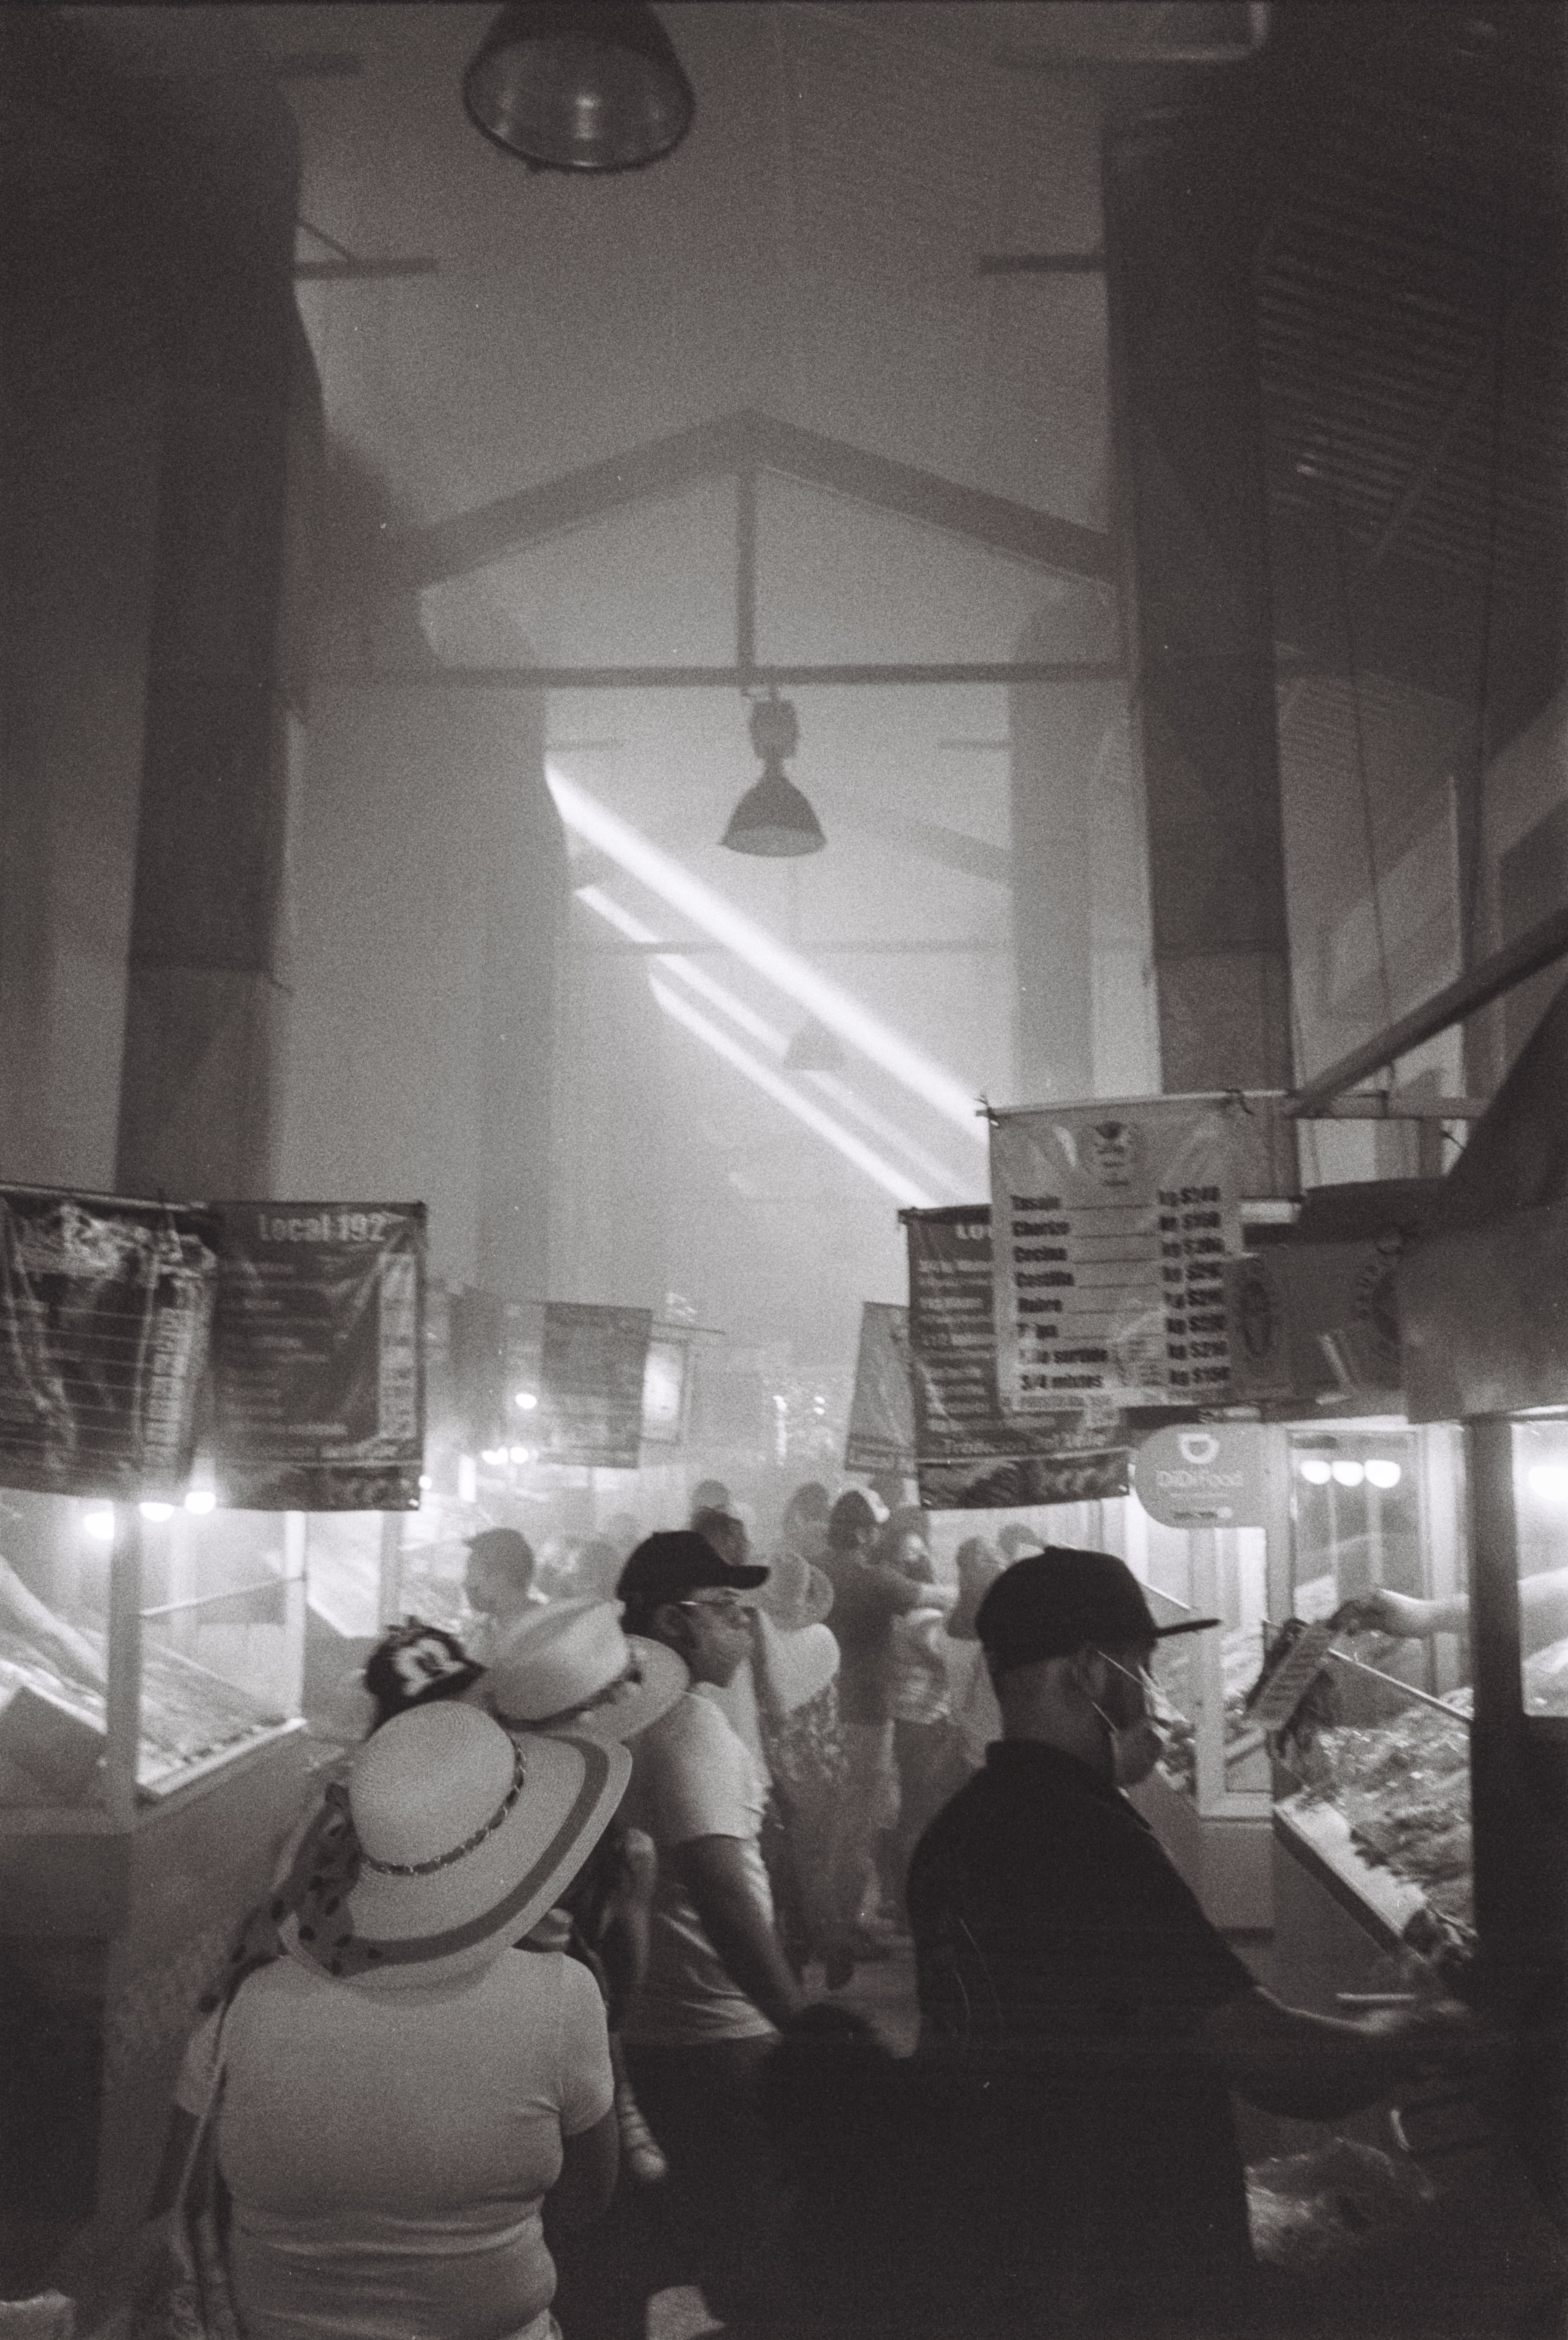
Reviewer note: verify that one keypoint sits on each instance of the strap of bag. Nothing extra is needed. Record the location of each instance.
(205, 2118)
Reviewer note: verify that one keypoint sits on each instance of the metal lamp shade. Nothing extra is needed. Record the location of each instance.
(579, 88)
(773, 817)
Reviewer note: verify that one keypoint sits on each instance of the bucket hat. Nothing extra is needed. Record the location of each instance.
(571, 1667)
(452, 1842)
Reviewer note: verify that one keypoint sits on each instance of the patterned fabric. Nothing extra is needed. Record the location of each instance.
(195, 2301)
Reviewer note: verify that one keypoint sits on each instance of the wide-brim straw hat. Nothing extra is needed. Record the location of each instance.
(456, 1840)
(796, 1592)
(799, 1663)
(550, 1667)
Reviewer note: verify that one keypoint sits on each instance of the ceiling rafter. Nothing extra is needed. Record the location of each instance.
(741, 444)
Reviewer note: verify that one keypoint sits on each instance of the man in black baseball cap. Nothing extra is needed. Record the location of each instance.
(1064, 1964)
(718, 1988)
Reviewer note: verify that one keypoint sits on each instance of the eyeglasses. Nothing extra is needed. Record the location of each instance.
(1155, 1699)
(728, 1605)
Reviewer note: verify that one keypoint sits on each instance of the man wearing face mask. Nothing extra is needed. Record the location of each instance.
(1089, 2016)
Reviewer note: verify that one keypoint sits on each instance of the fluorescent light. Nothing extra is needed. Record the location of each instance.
(524, 1400)
(1383, 1474)
(467, 1479)
(1348, 1474)
(1315, 1471)
(100, 1526)
(521, 1453)
(892, 1180)
(156, 1511)
(780, 966)
(201, 1501)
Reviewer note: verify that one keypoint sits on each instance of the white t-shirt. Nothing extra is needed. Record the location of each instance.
(693, 1776)
(387, 2151)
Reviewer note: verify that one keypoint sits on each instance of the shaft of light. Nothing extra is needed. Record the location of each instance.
(696, 978)
(782, 966)
(890, 1179)
(847, 1101)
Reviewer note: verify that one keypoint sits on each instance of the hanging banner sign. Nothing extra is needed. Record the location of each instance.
(882, 1415)
(1209, 1475)
(666, 1387)
(591, 1381)
(1113, 1223)
(106, 1308)
(969, 1455)
(318, 1356)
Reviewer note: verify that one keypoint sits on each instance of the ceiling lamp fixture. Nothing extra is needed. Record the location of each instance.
(773, 817)
(813, 1049)
(582, 87)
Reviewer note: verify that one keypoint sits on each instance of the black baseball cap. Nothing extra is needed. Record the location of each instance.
(676, 1562)
(1051, 1603)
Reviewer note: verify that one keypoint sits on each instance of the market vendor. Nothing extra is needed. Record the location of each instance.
(1098, 2019)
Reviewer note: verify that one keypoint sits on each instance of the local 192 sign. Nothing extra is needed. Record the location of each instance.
(1208, 1476)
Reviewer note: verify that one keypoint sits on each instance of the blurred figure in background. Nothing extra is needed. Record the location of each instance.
(867, 1596)
(972, 1699)
(795, 1663)
(918, 1700)
(709, 1496)
(499, 1584)
(803, 1528)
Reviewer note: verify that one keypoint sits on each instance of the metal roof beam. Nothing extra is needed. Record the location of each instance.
(740, 443)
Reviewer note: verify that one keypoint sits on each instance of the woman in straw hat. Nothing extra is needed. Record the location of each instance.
(399, 2093)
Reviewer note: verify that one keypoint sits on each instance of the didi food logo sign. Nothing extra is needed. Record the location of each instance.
(1209, 1477)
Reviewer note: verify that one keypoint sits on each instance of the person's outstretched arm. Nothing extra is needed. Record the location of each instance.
(1316, 2067)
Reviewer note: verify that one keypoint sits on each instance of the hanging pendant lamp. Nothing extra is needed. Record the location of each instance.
(773, 817)
(582, 87)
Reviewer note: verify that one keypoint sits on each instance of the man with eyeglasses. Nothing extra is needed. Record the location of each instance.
(1095, 2020)
(717, 1987)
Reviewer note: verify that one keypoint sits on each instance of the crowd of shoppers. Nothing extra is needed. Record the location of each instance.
(524, 2028)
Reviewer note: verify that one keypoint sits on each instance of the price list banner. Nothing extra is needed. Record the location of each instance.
(594, 1366)
(318, 1356)
(107, 1310)
(969, 1454)
(881, 1435)
(1113, 1223)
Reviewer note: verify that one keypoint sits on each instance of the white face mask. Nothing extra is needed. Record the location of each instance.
(1135, 1747)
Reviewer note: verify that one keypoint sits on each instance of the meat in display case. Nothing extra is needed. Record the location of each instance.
(1375, 1781)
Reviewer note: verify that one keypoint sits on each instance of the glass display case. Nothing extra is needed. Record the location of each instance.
(152, 1762)
(1372, 1771)
(134, 1662)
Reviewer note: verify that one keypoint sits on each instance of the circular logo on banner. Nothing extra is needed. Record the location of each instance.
(1202, 1478)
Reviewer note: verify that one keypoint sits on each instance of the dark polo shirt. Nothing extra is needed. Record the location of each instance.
(1064, 1967)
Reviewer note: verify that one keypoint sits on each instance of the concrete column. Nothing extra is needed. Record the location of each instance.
(224, 669)
(1178, 227)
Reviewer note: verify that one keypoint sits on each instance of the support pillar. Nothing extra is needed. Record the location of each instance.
(225, 681)
(1179, 233)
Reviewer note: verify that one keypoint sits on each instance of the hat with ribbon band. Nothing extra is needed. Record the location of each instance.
(451, 1843)
(571, 1667)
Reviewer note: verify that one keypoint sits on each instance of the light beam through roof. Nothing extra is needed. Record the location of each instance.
(718, 995)
(892, 1180)
(780, 966)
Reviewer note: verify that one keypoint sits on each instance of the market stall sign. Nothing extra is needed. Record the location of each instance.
(1304, 1317)
(666, 1387)
(1112, 1225)
(318, 1356)
(107, 1310)
(593, 1369)
(1208, 1476)
(882, 1413)
(969, 1454)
